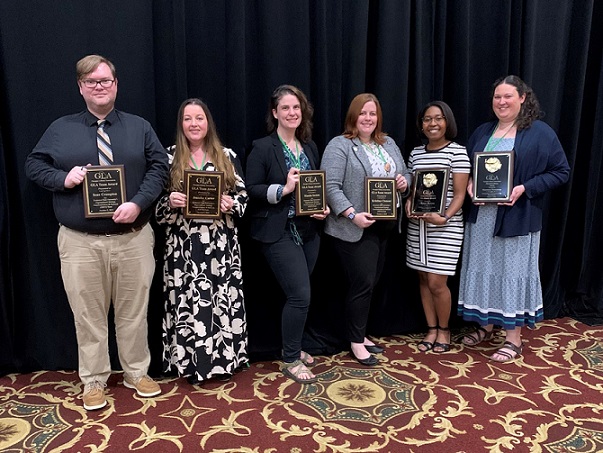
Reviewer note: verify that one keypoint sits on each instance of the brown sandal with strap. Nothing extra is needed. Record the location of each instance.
(508, 351)
(295, 375)
(307, 359)
(477, 336)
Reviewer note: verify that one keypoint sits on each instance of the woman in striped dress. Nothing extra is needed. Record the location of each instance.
(433, 241)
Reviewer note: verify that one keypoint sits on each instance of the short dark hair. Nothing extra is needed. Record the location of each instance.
(451, 129)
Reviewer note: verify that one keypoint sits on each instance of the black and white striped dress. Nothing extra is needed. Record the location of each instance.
(436, 248)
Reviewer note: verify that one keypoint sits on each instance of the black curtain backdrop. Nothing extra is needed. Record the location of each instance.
(233, 54)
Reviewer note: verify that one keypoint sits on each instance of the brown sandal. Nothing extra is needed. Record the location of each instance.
(477, 336)
(508, 351)
(302, 369)
(307, 359)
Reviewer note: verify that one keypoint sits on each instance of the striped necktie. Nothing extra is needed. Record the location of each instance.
(105, 154)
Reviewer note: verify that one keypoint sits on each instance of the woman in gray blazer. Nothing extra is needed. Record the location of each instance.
(360, 240)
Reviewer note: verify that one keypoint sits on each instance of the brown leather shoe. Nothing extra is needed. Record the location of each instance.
(94, 395)
(144, 385)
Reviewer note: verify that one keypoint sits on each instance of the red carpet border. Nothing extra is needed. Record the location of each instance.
(549, 400)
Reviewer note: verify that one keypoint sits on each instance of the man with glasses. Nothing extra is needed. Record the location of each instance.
(105, 258)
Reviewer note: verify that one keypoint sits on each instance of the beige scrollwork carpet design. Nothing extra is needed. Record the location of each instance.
(548, 400)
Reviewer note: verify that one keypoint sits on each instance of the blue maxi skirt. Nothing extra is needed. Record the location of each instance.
(500, 280)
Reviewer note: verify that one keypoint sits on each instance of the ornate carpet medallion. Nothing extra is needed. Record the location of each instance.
(13, 430)
(593, 355)
(581, 440)
(369, 396)
(32, 425)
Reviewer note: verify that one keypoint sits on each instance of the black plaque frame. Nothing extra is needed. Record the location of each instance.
(103, 189)
(310, 193)
(381, 198)
(429, 190)
(203, 191)
(493, 176)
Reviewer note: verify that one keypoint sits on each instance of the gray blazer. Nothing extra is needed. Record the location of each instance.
(346, 165)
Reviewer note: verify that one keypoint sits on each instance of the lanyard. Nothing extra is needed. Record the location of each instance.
(378, 154)
(492, 146)
(202, 163)
(295, 158)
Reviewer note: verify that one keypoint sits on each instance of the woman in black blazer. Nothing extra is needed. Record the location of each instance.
(290, 243)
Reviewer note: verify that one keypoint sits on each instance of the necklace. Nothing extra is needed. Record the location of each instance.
(296, 158)
(195, 163)
(492, 144)
(387, 167)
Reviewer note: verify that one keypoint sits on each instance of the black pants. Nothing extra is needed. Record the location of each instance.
(362, 263)
(292, 265)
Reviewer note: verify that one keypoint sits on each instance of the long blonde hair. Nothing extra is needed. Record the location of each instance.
(211, 145)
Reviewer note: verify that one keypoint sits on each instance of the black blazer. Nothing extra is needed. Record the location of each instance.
(266, 166)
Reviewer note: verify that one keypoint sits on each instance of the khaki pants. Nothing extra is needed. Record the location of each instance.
(96, 270)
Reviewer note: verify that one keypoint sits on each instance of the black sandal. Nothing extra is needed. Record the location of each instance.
(442, 347)
(477, 336)
(427, 345)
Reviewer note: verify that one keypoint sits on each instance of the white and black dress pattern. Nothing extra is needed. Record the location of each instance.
(204, 325)
(436, 248)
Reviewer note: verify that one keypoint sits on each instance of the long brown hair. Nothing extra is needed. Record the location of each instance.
(211, 145)
(350, 129)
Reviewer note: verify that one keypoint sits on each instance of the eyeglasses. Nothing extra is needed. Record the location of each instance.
(438, 119)
(105, 83)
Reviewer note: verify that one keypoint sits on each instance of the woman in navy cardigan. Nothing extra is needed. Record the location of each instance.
(290, 243)
(500, 280)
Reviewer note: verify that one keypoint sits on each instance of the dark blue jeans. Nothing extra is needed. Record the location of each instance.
(362, 263)
(292, 265)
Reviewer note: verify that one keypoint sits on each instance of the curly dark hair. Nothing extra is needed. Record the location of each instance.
(304, 130)
(530, 109)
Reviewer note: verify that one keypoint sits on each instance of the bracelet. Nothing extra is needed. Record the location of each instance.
(446, 216)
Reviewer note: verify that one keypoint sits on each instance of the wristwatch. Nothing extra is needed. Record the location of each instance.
(351, 215)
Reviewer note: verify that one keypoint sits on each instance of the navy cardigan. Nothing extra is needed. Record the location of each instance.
(540, 165)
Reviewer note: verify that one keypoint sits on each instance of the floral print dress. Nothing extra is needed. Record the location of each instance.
(204, 326)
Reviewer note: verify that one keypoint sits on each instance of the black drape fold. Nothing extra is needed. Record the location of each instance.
(6, 298)
(232, 54)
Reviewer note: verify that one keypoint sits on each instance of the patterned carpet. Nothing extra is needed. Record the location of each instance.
(550, 400)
